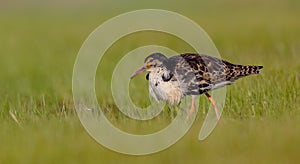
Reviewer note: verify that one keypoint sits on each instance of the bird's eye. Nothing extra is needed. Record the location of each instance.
(148, 66)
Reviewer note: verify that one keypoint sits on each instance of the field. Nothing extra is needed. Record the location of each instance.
(39, 42)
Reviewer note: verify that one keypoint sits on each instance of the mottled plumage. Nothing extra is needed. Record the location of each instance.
(170, 79)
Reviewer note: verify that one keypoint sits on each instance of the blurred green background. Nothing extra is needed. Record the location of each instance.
(39, 41)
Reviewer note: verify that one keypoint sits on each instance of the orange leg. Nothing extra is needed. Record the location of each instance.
(213, 104)
(192, 107)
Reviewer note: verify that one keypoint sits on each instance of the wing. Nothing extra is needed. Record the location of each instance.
(198, 74)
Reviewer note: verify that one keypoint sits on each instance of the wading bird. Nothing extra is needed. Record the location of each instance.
(170, 79)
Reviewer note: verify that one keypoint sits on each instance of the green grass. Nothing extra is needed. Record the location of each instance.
(38, 46)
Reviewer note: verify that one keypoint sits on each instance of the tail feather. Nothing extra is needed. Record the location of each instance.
(238, 71)
(249, 70)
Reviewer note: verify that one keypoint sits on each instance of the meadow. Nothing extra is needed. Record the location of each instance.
(39, 42)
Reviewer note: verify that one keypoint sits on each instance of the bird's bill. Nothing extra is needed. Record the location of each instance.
(138, 72)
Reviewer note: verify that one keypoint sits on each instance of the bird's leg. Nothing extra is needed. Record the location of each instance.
(213, 104)
(192, 109)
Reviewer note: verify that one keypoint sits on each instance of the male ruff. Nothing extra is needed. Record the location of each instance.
(170, 79)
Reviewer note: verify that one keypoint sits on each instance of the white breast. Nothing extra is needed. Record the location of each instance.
(168, 91)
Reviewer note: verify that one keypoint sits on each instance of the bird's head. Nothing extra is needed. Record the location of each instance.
(151, 63)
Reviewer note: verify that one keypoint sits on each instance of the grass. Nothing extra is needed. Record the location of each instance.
(38, 46)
